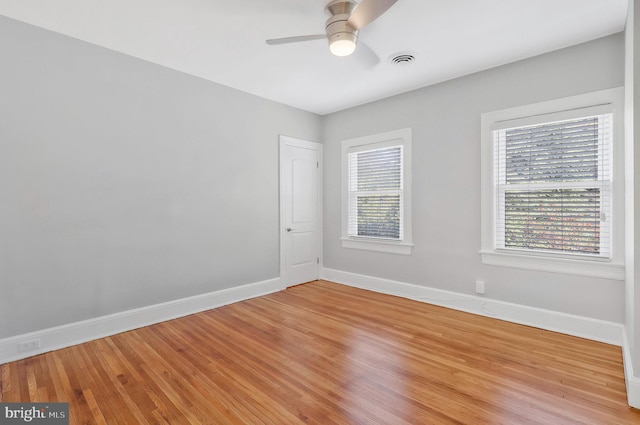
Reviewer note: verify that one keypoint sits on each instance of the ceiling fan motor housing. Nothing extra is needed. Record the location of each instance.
(338, 27)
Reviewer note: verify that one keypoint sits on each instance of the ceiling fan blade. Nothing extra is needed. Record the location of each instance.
(368, 11)
(296, 39)
(366, 55)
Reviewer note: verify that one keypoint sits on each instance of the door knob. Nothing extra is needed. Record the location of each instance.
(289, 229)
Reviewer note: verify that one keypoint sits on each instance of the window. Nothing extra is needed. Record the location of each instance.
(548, 187)
(553, 186)
(377, 192)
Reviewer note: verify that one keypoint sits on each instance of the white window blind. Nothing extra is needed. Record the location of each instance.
(553, 186)
(375, 191)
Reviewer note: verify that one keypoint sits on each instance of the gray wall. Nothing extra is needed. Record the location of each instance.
(125, 184)
(445, 119)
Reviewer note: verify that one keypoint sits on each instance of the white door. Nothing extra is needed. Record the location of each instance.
(299, 210)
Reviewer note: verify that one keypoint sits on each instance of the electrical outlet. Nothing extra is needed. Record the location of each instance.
(479, 286)
(32, 344)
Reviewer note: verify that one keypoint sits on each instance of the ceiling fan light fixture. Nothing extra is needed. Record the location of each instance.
(342, 47)
(343, 43)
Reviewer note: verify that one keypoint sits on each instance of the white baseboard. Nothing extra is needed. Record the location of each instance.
(632, 382)
(584, 327)
(99, 327)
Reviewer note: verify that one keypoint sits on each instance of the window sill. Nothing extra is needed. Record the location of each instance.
(400, 248)
(591, 268)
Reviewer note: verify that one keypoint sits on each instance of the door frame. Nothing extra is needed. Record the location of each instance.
(299, 143)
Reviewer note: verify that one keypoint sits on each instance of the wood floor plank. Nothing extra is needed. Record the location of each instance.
(323, 353)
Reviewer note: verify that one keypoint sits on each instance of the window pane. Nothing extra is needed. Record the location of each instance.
(565, 220)
(379, 169)
(560, 151)
(379, 216)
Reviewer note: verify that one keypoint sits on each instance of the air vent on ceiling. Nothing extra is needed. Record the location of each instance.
(403, 59)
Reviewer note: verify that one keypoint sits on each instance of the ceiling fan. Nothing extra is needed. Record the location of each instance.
(346, 18)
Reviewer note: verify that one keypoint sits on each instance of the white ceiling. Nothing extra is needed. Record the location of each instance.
(224, 40)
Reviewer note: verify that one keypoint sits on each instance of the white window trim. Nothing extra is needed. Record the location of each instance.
(558, 263)
(404, 246)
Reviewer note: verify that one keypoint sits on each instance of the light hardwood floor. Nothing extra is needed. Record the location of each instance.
(323, 353)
